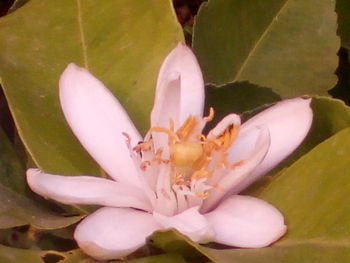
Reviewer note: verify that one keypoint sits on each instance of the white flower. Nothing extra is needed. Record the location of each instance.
(175, 177)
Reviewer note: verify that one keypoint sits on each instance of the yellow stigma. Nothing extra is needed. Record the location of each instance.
(184, 154)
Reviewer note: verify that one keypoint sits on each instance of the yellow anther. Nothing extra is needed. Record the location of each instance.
(172, 135)
(187, 128)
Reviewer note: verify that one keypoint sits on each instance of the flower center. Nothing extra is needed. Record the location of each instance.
(183, 155)
(192, 157)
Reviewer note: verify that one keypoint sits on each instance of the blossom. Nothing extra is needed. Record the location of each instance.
(174, 177)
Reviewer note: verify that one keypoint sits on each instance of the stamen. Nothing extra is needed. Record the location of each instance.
(158, 157)
(144, 146)
(185, 130)
(234, 133)
(210, 117)
(172, 135)
(144, 165)
(200, 174)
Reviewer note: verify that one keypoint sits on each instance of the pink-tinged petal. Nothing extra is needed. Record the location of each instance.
(166, 199)
(190, 223)
(238, 172)
(113, 233)
(244, 221)
(99, 121)
(225, 123)
(288, 121)
(86, 190)
(180, 65)
(166, 108)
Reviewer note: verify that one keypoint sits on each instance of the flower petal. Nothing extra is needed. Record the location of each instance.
(180, 65)
(99, 121)
(86, 190)
(225, 123)
(244, 221)
(166, 201)
(113, 233)
(288, 121)
(239, 172)
(190, 223)
(166, 108)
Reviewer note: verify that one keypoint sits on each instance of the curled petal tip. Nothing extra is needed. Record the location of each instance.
(190, 88)
(32, 174)
(71, 70)
(288, 121)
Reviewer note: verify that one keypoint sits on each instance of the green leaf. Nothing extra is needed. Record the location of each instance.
(11, 169)
(173, 241)
(171, 258)
(123, 43)
(17, 4)
(342, 7)
(287, 45)
(236, 97)
(16, 255)
(16, 207)
(17, 210)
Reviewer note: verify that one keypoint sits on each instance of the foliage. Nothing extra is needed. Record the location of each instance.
(252, 53)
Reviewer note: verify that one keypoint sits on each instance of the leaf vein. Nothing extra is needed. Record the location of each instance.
(82, 35)
(257, 43)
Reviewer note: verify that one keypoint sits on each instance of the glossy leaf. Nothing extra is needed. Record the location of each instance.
(173, 241)
(342, 7)
(11, 168)
(171, 258)
(17, 210)
(237, 97)
(16, 207)
(17, 4)
(123, 43)
(287, 45)
(15, 255)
